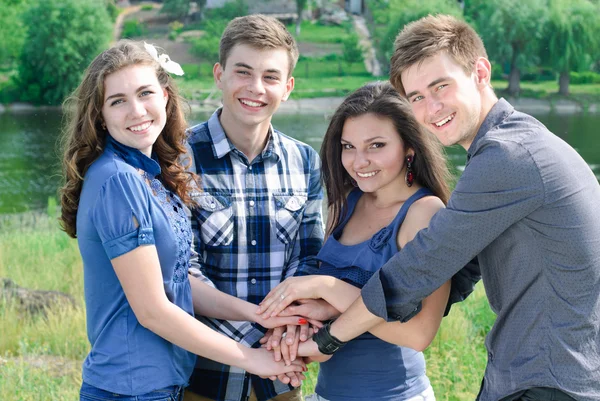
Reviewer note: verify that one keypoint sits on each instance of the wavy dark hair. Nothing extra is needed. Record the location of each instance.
(84, 137)
(381, 99)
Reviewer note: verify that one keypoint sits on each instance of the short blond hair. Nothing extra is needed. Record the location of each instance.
(260, 32)
(430, 36)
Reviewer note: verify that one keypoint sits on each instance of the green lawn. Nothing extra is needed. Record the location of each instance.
(317, 33)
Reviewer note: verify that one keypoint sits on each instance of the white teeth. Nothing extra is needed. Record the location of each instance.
(366, 175)
(445, 120)
(140, 127)
(251, 103)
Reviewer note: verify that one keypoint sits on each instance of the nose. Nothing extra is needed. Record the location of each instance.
(138, 109)
(434, 105)
(361, 160)
(256, 86)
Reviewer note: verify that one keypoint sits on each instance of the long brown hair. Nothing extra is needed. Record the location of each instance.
(84, 138)
(381, 99)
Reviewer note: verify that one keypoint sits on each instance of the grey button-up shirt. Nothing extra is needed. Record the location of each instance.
(527, 206)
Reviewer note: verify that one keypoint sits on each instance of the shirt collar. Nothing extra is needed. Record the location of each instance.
(498, 113)
(134, 157)
(222, 145)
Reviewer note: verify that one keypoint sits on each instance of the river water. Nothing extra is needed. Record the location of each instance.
(29, 153)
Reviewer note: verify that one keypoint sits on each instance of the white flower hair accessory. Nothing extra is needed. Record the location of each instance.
(165, 62)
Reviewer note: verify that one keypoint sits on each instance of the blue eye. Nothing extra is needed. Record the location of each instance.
(118, 101)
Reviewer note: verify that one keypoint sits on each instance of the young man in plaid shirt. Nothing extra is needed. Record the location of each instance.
(258, 219)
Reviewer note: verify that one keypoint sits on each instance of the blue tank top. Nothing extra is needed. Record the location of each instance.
(368, 368)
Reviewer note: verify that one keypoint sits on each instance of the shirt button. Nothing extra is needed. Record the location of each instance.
(253, 242)
(253, 281)
(143, 236)
(251, 203)
(249, 167)
(213, 205)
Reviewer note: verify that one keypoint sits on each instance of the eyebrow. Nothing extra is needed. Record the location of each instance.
(141, 88)
(270, 70)
(433, 83)
(366, 140)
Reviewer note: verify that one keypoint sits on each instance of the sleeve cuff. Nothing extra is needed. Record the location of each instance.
(253, 337)
(128, 242)
(375, 299)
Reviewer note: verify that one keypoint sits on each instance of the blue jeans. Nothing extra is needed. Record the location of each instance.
(91, 393)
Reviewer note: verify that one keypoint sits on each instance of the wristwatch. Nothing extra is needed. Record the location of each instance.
(327, 343)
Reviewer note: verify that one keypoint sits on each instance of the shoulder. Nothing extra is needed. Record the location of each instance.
(423, 210)
(198, 133)
(107, 166)
(293, 149)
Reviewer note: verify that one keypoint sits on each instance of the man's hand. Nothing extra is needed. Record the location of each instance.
(313, 309)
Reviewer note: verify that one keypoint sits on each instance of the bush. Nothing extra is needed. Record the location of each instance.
(133, 28)
(63, 38)
(147, 7)
(112, 10)
(353, 51)
(229, 11)
(206, 48)
(586, 77)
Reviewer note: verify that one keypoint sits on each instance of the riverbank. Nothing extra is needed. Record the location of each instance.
(328, 105)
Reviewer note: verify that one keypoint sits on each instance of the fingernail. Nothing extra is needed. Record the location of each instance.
(302, 321)
(302, 337)
(290, 341)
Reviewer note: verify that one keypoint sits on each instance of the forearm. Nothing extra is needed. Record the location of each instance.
(214, 303)
(175, 325)
(355, 321)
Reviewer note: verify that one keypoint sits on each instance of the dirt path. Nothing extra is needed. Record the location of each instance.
(119, 22)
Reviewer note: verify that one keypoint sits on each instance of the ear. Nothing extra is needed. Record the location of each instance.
(289, 87)
(218, 74)
(483, 71)
(165, 95)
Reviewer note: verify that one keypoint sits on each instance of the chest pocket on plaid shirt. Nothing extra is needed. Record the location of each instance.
(216, 220)
(289, 209)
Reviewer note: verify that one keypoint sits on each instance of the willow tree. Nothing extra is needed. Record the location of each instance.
(511, 31)
(571, 39)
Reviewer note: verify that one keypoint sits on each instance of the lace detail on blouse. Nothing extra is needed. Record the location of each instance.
(174, 209)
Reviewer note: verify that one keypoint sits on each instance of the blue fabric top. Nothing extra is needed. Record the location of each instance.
(121, 188)
(368, 368)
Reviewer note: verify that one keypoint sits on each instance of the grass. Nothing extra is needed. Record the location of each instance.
(317, 33)
(40, 358)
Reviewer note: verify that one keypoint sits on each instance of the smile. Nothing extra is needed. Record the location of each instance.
(445, 121)
(367, 175)
(140, 127)
(252, 103)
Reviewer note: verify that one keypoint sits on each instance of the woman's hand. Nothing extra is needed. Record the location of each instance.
(292, 289)
(312, 309)
(261, 363)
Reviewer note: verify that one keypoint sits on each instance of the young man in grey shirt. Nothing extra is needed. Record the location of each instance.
(526, 206)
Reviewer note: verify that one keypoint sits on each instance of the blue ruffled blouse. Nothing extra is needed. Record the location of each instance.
(124, 205)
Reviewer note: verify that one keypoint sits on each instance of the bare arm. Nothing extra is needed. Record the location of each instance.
(140, 275)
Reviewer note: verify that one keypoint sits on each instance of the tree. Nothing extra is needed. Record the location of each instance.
(300, 6)
(353, 51)
(177, 9)
(571, 38)
(511, 31)
(63, 38)
(12, 30)
(406, 11)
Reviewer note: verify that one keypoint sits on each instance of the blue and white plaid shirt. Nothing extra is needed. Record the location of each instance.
(257, 223)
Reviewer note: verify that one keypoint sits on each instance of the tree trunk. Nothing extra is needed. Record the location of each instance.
(563, 83)
(298, 23)
(514, 78)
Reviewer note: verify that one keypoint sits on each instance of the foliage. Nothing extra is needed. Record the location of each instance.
(379, 10)
(510, 37)
(586, 77)
(175, 28)
(229, 11)
(407, 11)
(12, 30)
(112, 10)
(132, 29)
(64, 36)
(571, 37)
(176, 8)
(206, 47)
(147, 7)
(353, 51)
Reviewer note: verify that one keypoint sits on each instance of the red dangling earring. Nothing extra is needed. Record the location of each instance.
(409, 177)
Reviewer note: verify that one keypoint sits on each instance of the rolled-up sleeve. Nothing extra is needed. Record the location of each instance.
(500, 186)
(121, 215)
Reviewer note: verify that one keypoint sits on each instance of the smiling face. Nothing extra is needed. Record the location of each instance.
(373, 153)
(446, 100)
(254, 82)
(134, 108)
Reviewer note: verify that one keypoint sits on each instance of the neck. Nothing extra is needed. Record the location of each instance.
(488, 100)
(391, 196)
(248, 139)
